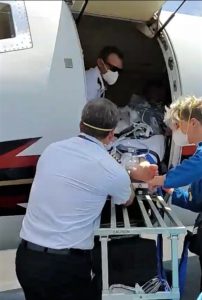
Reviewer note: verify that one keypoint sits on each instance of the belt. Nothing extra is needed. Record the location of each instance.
(38, 248)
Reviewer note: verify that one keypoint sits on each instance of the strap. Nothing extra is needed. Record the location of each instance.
(85, 138)
(160, 267)
(102, 87)
(97, 128)
(151, 160)
(161, 271)
(183, 264)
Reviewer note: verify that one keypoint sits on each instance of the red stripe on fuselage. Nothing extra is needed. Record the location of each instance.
(11, 160)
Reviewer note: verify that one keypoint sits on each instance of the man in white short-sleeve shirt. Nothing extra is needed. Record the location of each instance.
(106, 72)
(73, 179)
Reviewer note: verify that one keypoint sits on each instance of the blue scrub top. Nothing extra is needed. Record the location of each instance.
(199, 297)
(189, 172)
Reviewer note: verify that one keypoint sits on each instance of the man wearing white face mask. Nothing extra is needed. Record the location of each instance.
(109, 65)
(185, 119)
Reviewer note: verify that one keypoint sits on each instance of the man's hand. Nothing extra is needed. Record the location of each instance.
(157, 181)
(144, 171)
(169, 191)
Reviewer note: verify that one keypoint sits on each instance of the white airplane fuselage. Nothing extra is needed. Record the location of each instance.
(42, 92)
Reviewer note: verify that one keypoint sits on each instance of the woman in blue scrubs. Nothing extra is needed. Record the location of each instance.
(185, 119)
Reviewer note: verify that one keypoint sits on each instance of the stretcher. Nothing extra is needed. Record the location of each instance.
(154, 224)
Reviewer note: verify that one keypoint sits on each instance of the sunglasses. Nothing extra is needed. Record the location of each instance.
(113, 68)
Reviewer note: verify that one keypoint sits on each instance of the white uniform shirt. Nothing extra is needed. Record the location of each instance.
(72, 181)
(94, 84)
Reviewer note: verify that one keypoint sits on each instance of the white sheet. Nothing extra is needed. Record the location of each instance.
(155, 143)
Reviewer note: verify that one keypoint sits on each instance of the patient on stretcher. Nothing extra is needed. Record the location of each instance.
(143, 116)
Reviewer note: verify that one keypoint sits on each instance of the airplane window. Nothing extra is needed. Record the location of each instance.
(6, 22)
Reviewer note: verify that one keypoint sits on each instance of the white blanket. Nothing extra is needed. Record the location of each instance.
(155, 143)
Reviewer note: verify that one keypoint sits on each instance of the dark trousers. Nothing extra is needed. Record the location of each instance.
(45, 276)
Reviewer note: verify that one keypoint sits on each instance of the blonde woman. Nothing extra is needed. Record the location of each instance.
(184, 117)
